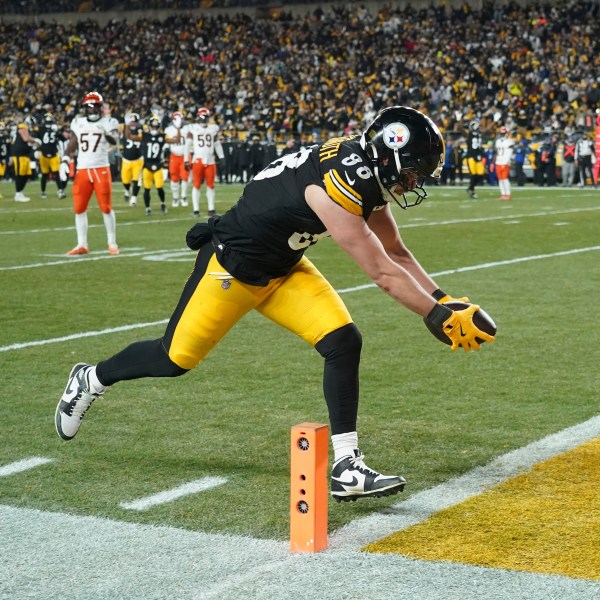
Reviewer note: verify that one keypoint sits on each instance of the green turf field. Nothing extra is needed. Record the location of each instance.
(426, 412)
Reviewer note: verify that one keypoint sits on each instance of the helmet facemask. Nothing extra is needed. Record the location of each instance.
(93, 106)
(177, 119)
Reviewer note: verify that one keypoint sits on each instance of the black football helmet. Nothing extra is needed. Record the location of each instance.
(93, 102)
(402, 142)
(474, 126)
(154, 124)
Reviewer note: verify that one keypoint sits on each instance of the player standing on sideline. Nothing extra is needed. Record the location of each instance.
(49, 155)
(153, 153)
(504, 147)
(202, 146)
(252, 257)
(131, 158)
(584, 149)
(596, 173)
(175, 136)
(92, 135)
(4, 151)
(20, 152)
(475, 158)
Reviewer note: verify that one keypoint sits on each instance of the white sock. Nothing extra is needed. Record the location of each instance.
(95, 386)
(175, 190)
(81, 226)
(110, 222)
(344, 444)
(183, 189)
(196, 198)
(210, 198)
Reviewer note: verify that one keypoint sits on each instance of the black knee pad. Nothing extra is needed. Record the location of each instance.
(343, 342)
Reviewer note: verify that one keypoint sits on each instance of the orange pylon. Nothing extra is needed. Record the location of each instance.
(309, 495)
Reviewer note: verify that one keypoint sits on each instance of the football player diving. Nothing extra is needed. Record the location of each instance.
(252, 257)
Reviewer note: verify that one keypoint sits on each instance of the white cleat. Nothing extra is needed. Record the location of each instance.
(74, 403)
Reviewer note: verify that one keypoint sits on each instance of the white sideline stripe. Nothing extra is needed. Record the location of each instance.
(76, 336)
(421, 506)
(24, 465)
(186, 489)
(93, 225)
(499, 263)
(87, 258)
(125, 254)
(548, 213)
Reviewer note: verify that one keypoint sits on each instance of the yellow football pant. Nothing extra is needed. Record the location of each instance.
(303, 302)
(131, 169)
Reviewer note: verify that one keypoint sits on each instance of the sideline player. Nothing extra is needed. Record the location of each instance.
(49, 155)
(202, 146)
(20, 153)
(475, 158)
(131, 159)
(175, 136)
(153, 153)
(93, 133)
(504, 148)
(252, 258)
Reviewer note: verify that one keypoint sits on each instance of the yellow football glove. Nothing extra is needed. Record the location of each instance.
(459, 327)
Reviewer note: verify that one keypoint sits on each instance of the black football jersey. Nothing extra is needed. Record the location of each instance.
(49, 136)
(475, 146)
(153, 146)
(20, 147)
(4, 147)
(131, 149)
(271, 226)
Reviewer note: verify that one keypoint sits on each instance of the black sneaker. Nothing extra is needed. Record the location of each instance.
(75, 401)
(352, 479)
(163, 208)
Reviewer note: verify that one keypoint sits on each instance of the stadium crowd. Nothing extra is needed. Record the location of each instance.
(533, 68)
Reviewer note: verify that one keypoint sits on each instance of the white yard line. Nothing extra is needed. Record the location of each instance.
(186, 489)
(86, 334)
(21, 466)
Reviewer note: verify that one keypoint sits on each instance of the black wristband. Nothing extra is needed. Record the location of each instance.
(438, 294)
(438, 315)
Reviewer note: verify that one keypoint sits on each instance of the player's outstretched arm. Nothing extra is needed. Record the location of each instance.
(353, 235)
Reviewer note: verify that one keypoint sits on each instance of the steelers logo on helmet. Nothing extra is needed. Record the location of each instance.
(396, 136)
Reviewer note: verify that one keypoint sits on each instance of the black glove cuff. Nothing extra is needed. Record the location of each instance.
(438, 294)
(438, 315)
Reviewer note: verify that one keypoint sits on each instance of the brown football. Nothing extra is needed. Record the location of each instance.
(481, 320)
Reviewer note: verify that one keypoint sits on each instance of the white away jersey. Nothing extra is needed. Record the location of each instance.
(92, 146)
(205, 142)
(504, 151)
(171, 132)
